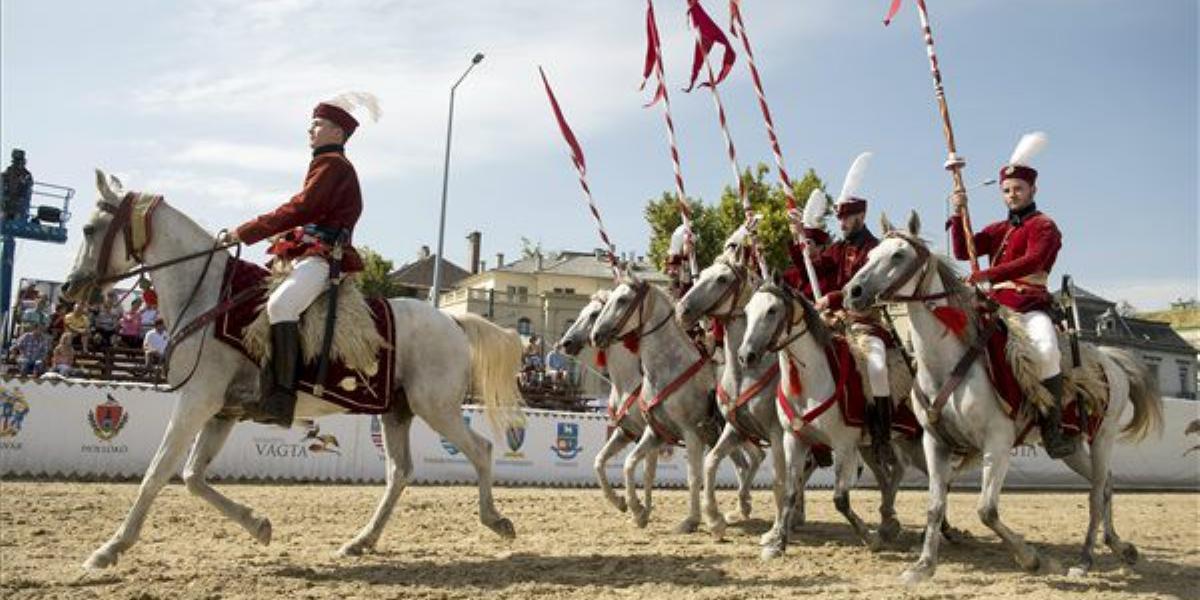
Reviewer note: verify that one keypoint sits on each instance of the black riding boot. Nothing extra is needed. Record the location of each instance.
(279, 376)
(1057, 445)
(879, 424)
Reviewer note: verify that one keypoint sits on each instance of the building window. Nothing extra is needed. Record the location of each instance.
(510, 292)
(1184, 371)
(524, 326)
(1152, 367)
(523, 294)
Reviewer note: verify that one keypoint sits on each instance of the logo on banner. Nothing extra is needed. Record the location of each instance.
(450, 448)
(377, 433)
(320, 442)
(108, 419)
(514, 436)
(566, 445)
(13, 409)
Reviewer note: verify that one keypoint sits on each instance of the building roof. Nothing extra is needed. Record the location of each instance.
(419, 273)
(580, 264)
(1102, 322)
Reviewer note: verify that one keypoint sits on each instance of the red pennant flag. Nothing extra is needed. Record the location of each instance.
(653, 58)
(709, 34)
(895, 8)
(576, 152)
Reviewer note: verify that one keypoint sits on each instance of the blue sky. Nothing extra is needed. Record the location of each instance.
(207, 103)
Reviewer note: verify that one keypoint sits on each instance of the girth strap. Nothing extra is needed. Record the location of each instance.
(659, 428)
(617, 415)
(801, 424)
(933, 410)
(732, 405)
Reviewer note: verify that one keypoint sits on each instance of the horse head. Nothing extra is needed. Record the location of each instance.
(720, 290)
(579, 334)
(94, 261)
(891, 266)
(775, 316)
(623, 313)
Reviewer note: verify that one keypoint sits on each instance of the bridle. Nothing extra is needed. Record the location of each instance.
(731, 293)
(641, 290)
(787, 323)
(918, 268)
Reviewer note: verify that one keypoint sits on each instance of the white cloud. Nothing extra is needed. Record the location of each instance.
(245, 156)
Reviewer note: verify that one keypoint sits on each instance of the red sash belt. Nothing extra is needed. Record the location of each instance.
(617, 415)
(660, 429)
(731, 405)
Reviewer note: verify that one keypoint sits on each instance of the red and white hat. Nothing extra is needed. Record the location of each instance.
(1018, 166)
(337, 109)
(849, 202)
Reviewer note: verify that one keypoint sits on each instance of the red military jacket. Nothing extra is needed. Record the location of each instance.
(797, 275)
(1021, 252)
(331, 200)
(837, 265)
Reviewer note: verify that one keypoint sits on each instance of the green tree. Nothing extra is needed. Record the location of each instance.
(373, 280)
(713, 224)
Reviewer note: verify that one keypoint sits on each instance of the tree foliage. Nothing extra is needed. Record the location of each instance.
(373, 280)
(713, 224)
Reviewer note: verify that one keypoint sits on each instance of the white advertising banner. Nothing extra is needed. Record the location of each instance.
(98, 430)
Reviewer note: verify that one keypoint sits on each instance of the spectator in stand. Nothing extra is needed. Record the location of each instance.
(63, 359)
(104, 321)
(556, 366)
(149, 316)
(155, 344)
(78, 325)
(30, 350)
(38, 314)
(57, 320)
(130, 327)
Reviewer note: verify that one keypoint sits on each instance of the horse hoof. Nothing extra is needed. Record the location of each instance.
(874, 543)
(717, 529)
(770, 538)
(1129, 554)
(771, 552)
(1030, 562)
(914, 576)
(621, 505)
(686, 526)
(736, 517)
(100, 559)
(504, 528)
(641, 517)
(262, 533)
(352, 548)
(744, 508)
(889, 530)
(955, 536)
(1077, 571)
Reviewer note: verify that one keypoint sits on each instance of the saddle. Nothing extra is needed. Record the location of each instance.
(363, 342)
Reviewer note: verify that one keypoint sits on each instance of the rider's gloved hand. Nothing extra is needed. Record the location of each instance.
(227, 238)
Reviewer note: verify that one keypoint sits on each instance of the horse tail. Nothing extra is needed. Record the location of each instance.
(1143, 394)
(495, 362)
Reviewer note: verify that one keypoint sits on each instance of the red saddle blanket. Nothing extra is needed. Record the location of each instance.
(853, 402)
(1010, 393)
(344, 387)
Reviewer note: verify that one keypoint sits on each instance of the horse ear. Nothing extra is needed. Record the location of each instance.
(103, 187)
(914, 223)
(115, 184)
(885, 224)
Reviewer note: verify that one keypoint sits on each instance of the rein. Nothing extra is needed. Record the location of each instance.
(732, 293)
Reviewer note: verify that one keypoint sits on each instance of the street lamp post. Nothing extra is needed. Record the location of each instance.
(436, 289)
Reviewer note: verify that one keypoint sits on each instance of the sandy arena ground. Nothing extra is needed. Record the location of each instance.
(570, 545)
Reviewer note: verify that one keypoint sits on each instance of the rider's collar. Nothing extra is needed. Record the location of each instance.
(1020, 215)
(858, 237)
(319, 150)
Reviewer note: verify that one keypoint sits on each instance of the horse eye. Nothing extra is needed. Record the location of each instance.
(89, 229)
(897, 256)
(771, 311)
(722, 278)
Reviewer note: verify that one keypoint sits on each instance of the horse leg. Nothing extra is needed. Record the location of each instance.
(729, 441)
(616, 442)
(778, 485)
(911, 448)
(889, 526)
(649, 443)
(845, 464)
(937, 460)
(795, 454)
(799, 518)
(208, 444)
(399, 467)
(478, 450)
(1102, 447)
(754, 458)
(695, 457)
(994, 469)
(189, 417)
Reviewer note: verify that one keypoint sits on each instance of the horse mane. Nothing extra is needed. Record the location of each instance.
(600, 296)
(812, 317)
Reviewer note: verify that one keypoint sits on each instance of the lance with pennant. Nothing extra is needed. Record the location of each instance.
(654, 65)
(581, 167)
(707, 35)
(954, 162)
(738, 27)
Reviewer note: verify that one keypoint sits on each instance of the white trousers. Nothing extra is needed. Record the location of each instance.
(1044, 336)
(877, 367)
(308, 279)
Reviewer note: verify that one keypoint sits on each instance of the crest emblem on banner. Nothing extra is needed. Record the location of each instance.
(108, 419)
(13, 409)
(377, 433)
(515, 438)
(566, 446)
(320, 442)
(450, 448)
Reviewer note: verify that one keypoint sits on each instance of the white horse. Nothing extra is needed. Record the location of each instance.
(783, 324)
(625, 377)
(968, 416)
(677, 392)
(453, 356)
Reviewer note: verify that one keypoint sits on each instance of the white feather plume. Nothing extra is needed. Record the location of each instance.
(678, 239)
(348, 101)
(815, 209)
(854, 177)
(1029, 146)
(737, 239)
